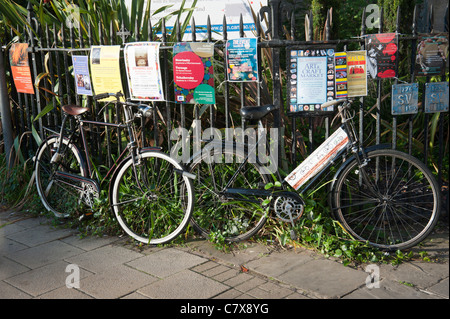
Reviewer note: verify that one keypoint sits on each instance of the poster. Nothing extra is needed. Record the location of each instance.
(405, 98)
(194, 72)
(436, 97)
(143, 71)
(356, 73)
(105, 70)
(81, 73)
(311, 79)
(432, 54)
(18, 57)
(242, 60)
(382, 55)
(341, 75)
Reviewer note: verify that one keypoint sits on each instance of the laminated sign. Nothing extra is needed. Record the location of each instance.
(105, 68)
(382, 53)
(143, 71)
(18, 57)
(242, 60)
(194, 73)
(311, 79)
(323, 155)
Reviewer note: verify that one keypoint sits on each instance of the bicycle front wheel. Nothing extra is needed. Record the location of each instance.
(152, 200)
(61, 197)
(393, 202)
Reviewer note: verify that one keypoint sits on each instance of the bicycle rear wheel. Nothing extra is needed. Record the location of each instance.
(236, 217)
(58, 195)
(393, 202)
(152, 200)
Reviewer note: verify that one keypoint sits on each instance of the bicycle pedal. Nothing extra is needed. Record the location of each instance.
(85, 216)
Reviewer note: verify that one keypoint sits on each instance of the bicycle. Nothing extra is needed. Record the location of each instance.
(379, 195)
(150, 194)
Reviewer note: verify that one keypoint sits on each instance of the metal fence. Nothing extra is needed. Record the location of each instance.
(50, 53)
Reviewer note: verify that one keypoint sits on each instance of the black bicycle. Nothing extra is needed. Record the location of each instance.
(379, 195)
(150, 194)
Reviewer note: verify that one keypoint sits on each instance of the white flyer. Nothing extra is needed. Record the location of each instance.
(324, 154)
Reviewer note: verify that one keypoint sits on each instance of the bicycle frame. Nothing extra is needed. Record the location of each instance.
(348, 143)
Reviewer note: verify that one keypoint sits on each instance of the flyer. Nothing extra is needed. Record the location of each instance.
(341, 75)
(382, 55)
(242, 60)
(105, 70)
(356, 73)
(432, 54)
(143, 71)
(311, 79)
(194, 72)
(81, 73)
(18, 57)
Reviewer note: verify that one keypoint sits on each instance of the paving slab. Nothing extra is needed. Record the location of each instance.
(185, 284)
(166, 262)
(44, 254)
(115, 282)
(324, 278)
(44, 279)
(99, 259)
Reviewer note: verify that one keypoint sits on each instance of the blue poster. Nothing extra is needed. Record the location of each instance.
(405, 98)
(242, 60)
(81, 74)
(436, 97)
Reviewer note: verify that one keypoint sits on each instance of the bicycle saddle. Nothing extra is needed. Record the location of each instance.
(257, 112)
(74, 109)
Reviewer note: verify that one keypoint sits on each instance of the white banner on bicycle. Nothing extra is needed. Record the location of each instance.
(314, 163)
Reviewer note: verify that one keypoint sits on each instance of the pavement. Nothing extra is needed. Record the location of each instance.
(40, 261)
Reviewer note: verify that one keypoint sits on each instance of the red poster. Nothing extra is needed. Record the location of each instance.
(18, 57)
(382, 52)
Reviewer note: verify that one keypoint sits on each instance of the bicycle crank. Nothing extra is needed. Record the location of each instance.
(288, 208)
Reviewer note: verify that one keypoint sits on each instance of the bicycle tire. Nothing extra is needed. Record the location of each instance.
(152, 201)
(214, 214)
(397, 210)
(58, 197)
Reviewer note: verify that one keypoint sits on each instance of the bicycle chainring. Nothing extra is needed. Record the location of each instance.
(288, 207)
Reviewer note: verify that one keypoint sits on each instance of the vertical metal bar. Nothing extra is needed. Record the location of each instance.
(51, 75)
(361, 99)
(166, 82)
(394, 118)
(211, 106)
(242, 84)
(226, 90)
(5, 112)
(412, 67)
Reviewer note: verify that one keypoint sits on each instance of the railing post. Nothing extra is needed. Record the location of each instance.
(5, 111)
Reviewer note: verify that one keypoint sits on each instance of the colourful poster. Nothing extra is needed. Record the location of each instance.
(432, 54)
(382, 55)
(356, 73)
(143, 71)
(341, 75)
(311, 79)
(242, 60)
(105, 70)
(18, 57)
(81, 72)
(194, 73)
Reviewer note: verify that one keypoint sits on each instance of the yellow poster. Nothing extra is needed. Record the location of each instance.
(105, 70)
